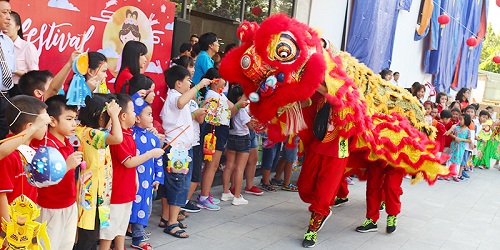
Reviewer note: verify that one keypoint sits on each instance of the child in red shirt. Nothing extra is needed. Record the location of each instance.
(21, 113)
(58, 202)
(441, 129)
(124, 161)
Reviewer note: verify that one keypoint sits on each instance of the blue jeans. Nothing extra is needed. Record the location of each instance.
(290, 154)
(177, 185)
(137, 233)
(254, 142)
(270, 156)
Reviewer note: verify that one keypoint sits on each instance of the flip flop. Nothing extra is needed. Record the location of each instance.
(146, 246)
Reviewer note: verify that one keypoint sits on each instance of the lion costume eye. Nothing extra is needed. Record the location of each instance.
(286, 49)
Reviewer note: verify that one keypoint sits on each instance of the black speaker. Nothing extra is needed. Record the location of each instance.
(181, 35)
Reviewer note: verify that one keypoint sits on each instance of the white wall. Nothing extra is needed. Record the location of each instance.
(407, 55)
(328, 17)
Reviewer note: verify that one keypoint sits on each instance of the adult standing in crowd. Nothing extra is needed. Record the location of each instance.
(463, 97)
(7, 63)
(193, 39)
(386, 74)
(395, 79)
(209, 46)
(26, 55)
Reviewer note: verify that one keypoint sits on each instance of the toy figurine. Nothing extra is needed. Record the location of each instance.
(23, 232)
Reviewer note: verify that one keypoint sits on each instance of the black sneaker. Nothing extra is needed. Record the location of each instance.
(324, 220)
(368, 226)
(309, 239)
(340, 201)
(392, 222)
(382, 206)
(191, 207)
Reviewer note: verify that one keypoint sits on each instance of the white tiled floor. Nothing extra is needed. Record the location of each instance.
(447, 215)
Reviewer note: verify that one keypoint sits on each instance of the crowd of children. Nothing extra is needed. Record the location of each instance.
(126, 160)
(468, 135)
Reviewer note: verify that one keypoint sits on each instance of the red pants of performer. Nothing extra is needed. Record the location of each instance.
(319, 181)
(383, 180)
(343, 191)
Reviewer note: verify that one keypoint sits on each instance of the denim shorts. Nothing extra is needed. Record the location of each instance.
(221, 132)
(254, 142)
(197, 162)
(239, 143)
(290, 154)
(176, 186)
(270, 156)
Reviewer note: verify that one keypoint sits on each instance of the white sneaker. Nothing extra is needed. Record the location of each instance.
(239, 201)
(227, 196)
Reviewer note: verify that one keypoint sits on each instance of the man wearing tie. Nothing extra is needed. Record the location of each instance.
(7, 64)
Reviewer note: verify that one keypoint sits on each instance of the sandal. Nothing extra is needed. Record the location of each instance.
(184, 213)
(276, 183)
(162, 221)
(146, 246)
(177, 233)
(183, 226)
(290, 187)
(268, 187)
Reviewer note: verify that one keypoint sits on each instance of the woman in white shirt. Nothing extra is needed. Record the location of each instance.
(27, 57)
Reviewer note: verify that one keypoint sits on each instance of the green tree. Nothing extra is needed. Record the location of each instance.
(491, 48)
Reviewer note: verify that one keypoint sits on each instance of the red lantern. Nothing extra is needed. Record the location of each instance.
(471, 41)
(444, 19)
(496, 59)
(257, 10)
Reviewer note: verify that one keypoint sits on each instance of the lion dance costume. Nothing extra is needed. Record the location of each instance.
(361, 122)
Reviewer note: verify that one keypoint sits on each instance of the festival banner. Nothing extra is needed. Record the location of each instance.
(59, 27)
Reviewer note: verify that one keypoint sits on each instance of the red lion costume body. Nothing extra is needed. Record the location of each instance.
(367, 122)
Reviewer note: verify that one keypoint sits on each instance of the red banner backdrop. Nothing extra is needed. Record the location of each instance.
(59, 27)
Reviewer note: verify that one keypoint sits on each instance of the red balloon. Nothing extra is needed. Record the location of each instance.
(498, 3)
(258, 11)
(445, 19)
(472, 41)
(496, 59)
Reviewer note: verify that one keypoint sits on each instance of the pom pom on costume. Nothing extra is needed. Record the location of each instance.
(23, 232)
(47, 167)
(78, 88)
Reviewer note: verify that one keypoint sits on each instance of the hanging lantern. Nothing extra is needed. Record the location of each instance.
(257, 10)
(444, 19)
(471, 42)
(496, 59)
